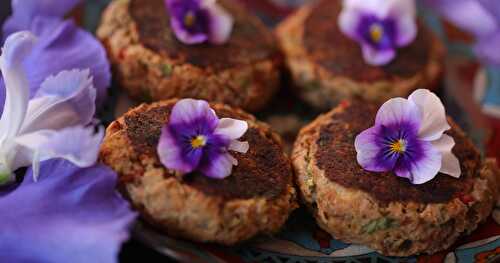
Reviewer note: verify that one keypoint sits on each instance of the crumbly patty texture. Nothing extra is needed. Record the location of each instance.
(381, 210)
(327, 66)
(256, 198)
(151, 64)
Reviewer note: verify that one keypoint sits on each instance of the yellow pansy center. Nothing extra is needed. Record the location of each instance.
(198, 141)
(189, 19)
(376, 32)
(398, 146)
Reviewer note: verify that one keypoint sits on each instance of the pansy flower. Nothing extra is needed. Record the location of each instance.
(68, 203)
(379, 26)
(408, 138)
(195, 139)
(199, 21)
(61, 45)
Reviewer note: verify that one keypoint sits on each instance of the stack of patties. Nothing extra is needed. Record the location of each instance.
(335, 52)
(401, 187)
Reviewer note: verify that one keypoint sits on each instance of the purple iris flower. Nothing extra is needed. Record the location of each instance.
(69, 215)
(61, 45)
(408, 138)
(62, 211)
(379, 26)
(199, 21)
(478, 17)
(195, 139)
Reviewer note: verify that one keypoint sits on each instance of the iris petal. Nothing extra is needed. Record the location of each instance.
(63, 100)
(77, 211)
(25, 11)
(15, 50)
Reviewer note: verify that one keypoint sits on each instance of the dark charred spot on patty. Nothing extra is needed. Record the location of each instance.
(336, 156)
(341, 56)
(250, 40)
(263, 171)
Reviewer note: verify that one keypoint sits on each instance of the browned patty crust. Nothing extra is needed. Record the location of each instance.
(381, 210)
(242, 72)
(328, 66)
(259, 191)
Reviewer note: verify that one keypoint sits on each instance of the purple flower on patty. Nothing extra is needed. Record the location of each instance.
(195, 139)
(380, 26)
(199, 21)
(408, 138)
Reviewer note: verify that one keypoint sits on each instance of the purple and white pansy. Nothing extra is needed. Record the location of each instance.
(379, 26)
(195, 139)
(42, 128)
(199, 21)
(408, 138)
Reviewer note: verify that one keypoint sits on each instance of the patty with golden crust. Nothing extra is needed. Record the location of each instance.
(381, 210)
(256, 198)
(151, 64)
(328, 67)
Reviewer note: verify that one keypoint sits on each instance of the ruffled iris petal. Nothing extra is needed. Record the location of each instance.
(69, 215)
(434, 121)
(63, 46)
(63, 100)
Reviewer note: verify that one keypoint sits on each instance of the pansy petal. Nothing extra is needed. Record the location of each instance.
(407, 31)
(231, 128)
(77, 211)
(348, 22)
(221, 24)
(171, 153)
(377, 57)
(49, 144)
(398, 111)
(25, 11)
(185, 36)
(425, 168)
(191, 111)
(66, 99)
(237, 146)
(369, 151)
(449, 164)
(469, 15)
(16, 48)
(434, 121)
(219, 166)
(492, 6)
